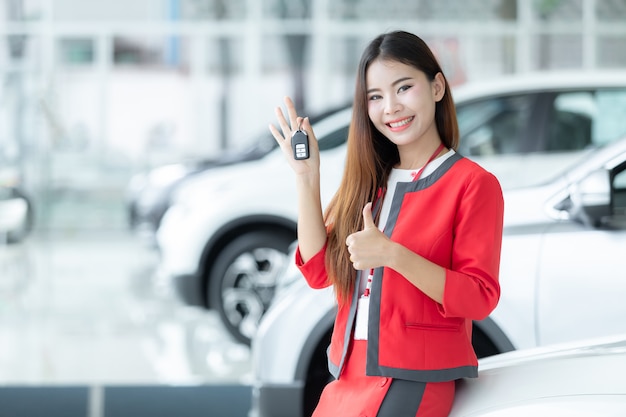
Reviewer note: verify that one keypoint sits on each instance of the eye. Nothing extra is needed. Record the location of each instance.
(374, 97)
(404, 88)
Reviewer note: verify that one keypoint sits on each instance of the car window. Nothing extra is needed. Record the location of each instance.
(584, 119)
(609, 117)
(494, 126)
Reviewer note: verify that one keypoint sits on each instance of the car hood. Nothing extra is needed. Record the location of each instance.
(542, 377)
(269, 177)
(241, 178)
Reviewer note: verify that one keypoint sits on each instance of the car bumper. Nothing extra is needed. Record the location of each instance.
(188, 289)
(285, 400)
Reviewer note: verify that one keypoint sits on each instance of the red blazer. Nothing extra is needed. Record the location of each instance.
(453, 217)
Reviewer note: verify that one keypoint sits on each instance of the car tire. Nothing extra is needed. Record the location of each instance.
(317, 376)
(483, 346)
(243, 279)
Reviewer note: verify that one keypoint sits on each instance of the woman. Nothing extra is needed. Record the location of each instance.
(410, 241)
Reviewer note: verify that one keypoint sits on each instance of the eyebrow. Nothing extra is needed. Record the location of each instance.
(398, 81)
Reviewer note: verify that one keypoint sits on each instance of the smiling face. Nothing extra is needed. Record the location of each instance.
(401, 105)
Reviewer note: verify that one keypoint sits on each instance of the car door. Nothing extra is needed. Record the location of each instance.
(582, 276)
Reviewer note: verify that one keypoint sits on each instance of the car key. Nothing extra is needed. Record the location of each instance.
(300, 144)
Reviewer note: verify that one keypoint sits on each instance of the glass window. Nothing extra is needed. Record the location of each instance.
(494, 126)
(23, 10)
(224, 56)
(62, 11)
(76, 51)
(210, 9)
(564, 11)
(611, 51)
(611, 11)
(569, 125)
(168, 51)
(461, 10)
(557, 51)
(14, 48)
(276, 54)
(286, 52)
(287, 9)
(579, 120)
(344, 54)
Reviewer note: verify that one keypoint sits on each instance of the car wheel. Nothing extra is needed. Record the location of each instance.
(317, 376)
(243, 280)
(483, 346)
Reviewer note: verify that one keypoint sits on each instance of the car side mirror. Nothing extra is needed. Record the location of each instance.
(590, 199)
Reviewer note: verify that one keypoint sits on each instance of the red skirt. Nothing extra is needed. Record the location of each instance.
(356, 394)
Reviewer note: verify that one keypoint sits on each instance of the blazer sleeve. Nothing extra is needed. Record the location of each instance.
(472, 288)
(314, 270)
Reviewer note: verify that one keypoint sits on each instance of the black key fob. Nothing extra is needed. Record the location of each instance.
(300, 144)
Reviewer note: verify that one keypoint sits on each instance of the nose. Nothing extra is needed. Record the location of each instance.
(392, 105)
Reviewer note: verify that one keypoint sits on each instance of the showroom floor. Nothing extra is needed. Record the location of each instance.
(85, 332)
(79, 307)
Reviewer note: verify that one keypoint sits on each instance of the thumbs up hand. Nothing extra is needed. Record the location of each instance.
(368, 219)
(367, 247)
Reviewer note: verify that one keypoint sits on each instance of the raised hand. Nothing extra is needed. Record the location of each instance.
(288, 125)
(311, 226)
(368, 247)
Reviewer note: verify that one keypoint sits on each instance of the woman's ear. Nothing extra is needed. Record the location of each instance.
(439, 86)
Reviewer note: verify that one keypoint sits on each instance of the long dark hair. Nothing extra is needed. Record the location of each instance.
(370, 155)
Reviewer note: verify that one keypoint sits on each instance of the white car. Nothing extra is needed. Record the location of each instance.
(575, 379)
(562, 279)
(224, 239)
(223, 242)
(148, 193)
(579, 379)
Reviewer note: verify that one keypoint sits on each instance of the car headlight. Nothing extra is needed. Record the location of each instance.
(13, 213)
